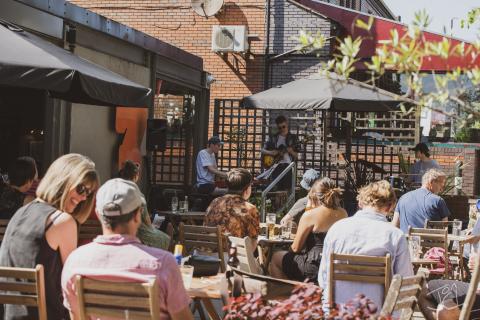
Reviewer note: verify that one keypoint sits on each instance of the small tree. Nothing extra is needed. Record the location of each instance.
(405, 52)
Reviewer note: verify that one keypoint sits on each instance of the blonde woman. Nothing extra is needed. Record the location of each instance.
(369, 233)
(301, 262)
(45, 230)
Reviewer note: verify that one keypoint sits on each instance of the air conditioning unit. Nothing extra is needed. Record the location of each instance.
(230, 39)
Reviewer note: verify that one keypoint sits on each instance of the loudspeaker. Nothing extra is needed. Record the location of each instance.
(156, 134)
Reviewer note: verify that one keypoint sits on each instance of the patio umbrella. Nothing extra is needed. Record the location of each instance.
(324, 92)
(29, 61)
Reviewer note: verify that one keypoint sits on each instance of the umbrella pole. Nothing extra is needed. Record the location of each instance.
(325, 133)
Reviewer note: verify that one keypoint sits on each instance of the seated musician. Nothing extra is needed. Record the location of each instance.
(284, 147)
(207, 168)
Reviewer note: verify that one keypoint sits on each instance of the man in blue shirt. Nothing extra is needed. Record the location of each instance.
(416, 206)
(206, 165)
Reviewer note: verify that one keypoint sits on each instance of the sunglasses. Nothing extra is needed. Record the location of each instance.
(282, 127)
(82, 190)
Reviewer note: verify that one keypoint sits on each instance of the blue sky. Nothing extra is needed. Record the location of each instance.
(442, 12)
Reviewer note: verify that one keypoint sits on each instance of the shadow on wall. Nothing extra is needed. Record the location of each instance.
(247, 66)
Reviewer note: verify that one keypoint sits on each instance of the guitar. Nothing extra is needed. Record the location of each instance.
(269, 161)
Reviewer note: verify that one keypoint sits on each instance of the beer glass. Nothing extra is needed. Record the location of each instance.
(174, 204)
(270, 220)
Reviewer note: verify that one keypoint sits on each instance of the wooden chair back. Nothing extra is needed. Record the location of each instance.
(403, 295)
(430, 238)
(245, 249)
(429, 224)
(22, 286)
(122, 300)
(270, 288)
(170, 232)
(359, 268)
(3, 227)
(90, 229)
(201, 237)
(465, 313)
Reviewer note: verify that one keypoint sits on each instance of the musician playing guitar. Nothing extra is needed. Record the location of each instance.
(283, 147)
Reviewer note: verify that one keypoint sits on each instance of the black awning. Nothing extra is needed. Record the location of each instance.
(324, 92)
(31, 62)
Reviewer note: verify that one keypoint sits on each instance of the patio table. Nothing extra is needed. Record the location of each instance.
(267, 246)
(205, 289)
(190, 217)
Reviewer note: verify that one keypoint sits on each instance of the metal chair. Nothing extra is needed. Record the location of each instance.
(24, 286)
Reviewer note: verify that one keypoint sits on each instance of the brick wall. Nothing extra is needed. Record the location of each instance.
(175, 22)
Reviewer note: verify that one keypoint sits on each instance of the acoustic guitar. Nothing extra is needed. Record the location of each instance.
(268, 161)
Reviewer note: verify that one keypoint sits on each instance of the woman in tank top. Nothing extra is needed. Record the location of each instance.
(45, 231)
(302, 261)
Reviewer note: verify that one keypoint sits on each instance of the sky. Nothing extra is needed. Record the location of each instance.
(442, 12)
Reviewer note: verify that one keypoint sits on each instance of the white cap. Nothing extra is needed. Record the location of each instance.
(123, 196)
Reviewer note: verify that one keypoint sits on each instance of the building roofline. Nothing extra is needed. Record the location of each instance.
(390, 12)
(71, 12)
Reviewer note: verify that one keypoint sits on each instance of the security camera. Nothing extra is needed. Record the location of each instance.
(210, 79)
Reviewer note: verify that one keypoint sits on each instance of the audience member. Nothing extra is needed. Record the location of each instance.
(368, 232)
(309, 177)
(443, 299)
(45, 230)
(147, 233)
(301, 262)
(207, 168)
(21, 175)
(424, 163)
(119, 208)
(232, 212)
(416, 206)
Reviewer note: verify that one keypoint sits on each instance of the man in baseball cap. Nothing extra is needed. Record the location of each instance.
(118, 252)
(424, 163)
(309, 177)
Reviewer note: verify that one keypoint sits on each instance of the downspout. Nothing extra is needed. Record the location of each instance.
(266, 72)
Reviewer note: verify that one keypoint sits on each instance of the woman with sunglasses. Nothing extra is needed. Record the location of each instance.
(45, 230)
(302, 261)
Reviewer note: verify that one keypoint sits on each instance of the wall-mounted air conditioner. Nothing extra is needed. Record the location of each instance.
(230, 38)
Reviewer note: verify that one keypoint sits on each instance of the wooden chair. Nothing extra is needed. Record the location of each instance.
(22, 286)
(90, 229)
(270, 288)
(170, 232)
(200, 237)
(122, 300)
(430, 238)
(465, 313)
(429, 224)
(403, 295)
(359, 268)
(3, 227)
(245, 249)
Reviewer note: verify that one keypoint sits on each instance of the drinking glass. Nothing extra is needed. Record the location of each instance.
(174, 204)
(187, 275)
(457, 227)
(181, 206)
(287, 230)
(270, 220)
(185, 206)
(414, 246)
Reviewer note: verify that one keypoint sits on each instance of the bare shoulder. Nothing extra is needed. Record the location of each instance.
(63, 220)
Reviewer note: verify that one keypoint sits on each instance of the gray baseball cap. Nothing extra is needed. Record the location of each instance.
(121, 196)
(309, 177)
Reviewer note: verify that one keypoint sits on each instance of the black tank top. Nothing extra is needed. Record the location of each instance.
(24, 245)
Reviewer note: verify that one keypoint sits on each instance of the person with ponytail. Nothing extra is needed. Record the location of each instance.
(147, 233)
(301, 262)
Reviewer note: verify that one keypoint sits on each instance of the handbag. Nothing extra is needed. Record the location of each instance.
(203, 266)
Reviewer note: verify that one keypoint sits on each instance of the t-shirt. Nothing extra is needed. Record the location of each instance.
(108, 256)
(420, 167)
(416, 206)
(204, 160)
(282, 141)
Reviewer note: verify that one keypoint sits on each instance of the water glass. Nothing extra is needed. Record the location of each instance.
(185, 206)
(174, 204)
(271, 220)
(181, 206)
(456, 227)
(287, 230)
(187, 275)
(414, 246)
